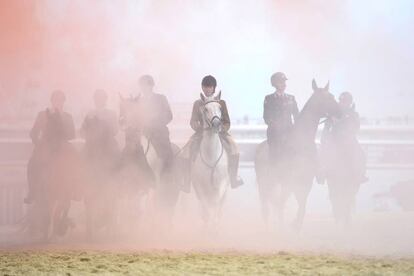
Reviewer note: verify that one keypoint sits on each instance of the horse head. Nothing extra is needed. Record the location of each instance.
(324, 101)
(129, 112)
(211, 112)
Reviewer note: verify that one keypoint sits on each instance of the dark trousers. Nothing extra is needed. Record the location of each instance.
(160, 139)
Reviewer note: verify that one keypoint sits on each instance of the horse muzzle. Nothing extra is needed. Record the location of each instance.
(216, 124)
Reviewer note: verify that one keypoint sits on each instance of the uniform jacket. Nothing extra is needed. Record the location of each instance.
(344, 129)
(280, 111)
(150, 115)
(157, 111)
(52, 127)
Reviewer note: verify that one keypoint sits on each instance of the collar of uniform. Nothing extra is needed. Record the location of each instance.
(147, 96)
(135, 98)
(279, 95)
(52, 110)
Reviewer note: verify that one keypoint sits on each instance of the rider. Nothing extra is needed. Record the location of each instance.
(99, 129)
(154, 116)
(280, 111)
(342, 133)
(52, 129)
(208, 86)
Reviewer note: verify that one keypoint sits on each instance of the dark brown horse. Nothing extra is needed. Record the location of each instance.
(293, 172)
(159, 195)
(344, 165)
(60, 181)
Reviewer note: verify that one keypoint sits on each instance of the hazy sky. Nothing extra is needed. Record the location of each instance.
(361, 46)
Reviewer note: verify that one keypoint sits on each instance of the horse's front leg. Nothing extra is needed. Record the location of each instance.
(281, 198)
(301, 194)
(263, 188)
(218, 204)
(60, 217)
(47, 210)
(206, 212)
(89, 219)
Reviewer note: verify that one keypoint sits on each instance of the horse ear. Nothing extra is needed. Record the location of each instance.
(202, 97)
(327, 87)
(218, 97)
(314, 85)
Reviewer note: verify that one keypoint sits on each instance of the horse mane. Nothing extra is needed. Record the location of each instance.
(306, 125)
(305, 110)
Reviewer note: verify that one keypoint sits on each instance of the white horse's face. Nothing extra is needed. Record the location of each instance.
(211, 110)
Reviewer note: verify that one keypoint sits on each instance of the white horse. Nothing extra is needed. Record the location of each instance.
(210, 173)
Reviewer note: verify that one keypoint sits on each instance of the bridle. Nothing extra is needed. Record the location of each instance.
(209, 122)
(213, 166)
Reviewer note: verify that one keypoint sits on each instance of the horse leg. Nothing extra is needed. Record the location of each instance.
(280, 204)
(205, 216)
(44, 211)
(60, 212)
(350, 202)
(301, 195)
(219, 207)
(89, 219)
(49, 220)
(264, 202)
(333, 196)
(168, 193)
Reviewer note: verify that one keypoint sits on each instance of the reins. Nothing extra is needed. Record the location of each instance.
(148, 146)
(212, 167)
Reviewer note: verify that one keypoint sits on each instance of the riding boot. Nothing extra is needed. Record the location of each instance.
(235, 180)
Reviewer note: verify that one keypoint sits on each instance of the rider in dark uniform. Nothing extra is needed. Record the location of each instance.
(280, 111)
(154, 114)
(342, 134)
(52, 129)
(157, 115)
(209, 84)
(99, 129)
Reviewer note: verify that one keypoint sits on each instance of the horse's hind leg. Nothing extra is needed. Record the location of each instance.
(264, 203)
